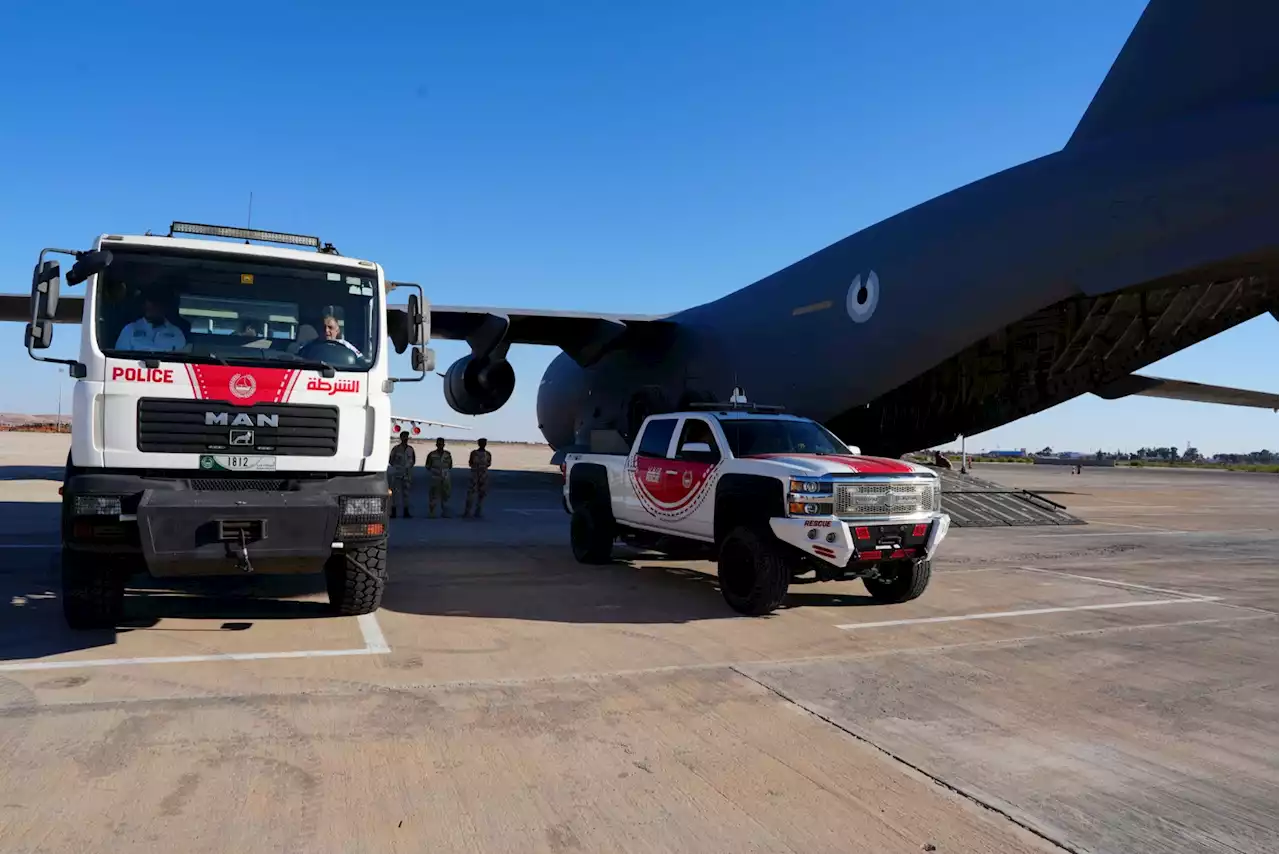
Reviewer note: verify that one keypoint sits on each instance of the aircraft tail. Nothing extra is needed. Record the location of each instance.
(1186, 56)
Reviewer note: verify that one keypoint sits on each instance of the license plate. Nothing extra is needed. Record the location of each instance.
(236, 462)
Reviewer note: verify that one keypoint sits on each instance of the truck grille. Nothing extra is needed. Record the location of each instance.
(237, 484)
(168, 426)
(882, 499)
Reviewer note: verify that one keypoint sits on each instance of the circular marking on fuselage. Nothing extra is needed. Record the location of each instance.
(863, 296)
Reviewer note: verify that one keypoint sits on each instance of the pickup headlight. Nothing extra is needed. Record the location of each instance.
(96, 505)
(807, 487)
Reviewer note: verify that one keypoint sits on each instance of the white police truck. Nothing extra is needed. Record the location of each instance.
(230, 411)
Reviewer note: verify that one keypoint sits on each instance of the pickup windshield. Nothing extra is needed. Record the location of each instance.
(749, 437)
(215, 308)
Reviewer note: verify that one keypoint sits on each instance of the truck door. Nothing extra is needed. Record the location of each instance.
(646, 489)
(696, 455)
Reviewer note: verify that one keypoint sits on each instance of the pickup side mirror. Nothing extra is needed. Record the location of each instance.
(89, 264)
(855, 450)
(45, 285)
(695, 448)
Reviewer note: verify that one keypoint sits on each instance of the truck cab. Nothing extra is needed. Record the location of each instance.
(229, 414)
(770, 495)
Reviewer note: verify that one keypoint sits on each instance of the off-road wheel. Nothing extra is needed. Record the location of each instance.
(754, 572)
(907, 581)
(92, 590)
(356, 578)
(591, 534)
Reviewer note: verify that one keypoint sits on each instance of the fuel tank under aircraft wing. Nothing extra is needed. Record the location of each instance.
(1138, 384)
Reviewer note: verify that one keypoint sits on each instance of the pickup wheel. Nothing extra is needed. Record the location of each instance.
(906, 583)
(92, 590)
(591, 535)
(754, 573)
(356, 578)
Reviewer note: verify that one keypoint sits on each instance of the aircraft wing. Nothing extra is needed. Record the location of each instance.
(401, 419)
(582, 335)
(1186, 390)
(17, 307)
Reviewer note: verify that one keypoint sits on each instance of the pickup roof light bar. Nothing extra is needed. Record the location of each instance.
(735, 407)
(244, 233)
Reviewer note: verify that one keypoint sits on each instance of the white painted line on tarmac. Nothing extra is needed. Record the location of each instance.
(1029, 612)
(1128, 584)
(374, 641)
(186, 659)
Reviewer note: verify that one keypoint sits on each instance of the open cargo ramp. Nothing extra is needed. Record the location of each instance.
(976, 503)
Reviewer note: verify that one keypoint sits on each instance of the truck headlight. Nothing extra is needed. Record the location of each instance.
(362, 505)
(810, 508)
(95, 505)
(801, 486)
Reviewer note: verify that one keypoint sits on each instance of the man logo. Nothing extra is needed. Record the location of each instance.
(242, 437)
(243, 385)
(242, 419)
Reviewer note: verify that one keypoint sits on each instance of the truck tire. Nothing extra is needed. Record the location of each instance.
(754, 573)
(591, 535)
(356, 578)
(906, 584)
(92, 590)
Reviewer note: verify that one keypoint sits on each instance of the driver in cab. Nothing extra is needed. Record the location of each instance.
(152, 331)
(333, 332)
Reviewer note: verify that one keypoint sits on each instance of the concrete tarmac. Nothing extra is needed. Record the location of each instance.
(1102, 688)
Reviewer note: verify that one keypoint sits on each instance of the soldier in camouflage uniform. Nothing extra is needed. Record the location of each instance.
(400, 474)
(479, 463)
(439, 467)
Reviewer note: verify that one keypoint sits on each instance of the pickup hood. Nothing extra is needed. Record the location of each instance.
(819, 464)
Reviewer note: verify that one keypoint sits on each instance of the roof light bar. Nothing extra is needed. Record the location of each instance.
(244, 233)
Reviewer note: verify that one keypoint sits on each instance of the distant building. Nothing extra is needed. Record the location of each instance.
(1018, 453)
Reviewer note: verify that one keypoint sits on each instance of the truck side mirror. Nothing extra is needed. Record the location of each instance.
(419, 320)
(45, 285)
(39, 335)
(89, 264)
(423, 359)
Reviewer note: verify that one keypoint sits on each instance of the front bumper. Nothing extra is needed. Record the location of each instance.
(198, 526)
(841, 543)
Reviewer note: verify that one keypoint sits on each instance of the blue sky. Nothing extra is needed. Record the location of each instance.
(615, 157)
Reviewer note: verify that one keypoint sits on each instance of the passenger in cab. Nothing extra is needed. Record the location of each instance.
(333, 332)
(152, 331)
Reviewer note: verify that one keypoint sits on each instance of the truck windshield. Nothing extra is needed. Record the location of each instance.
(212, 308)
(749, 437)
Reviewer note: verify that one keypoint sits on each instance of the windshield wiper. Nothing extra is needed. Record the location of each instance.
(326, 370)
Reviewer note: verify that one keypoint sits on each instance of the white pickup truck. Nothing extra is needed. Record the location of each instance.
(772, 496)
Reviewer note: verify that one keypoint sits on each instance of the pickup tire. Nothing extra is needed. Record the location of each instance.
(356, 578)
(591, 534)
(906, 584)
(754, 572)
(92, 590)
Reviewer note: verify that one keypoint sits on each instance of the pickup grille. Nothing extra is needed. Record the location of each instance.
(882, 499)
(168, 426)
